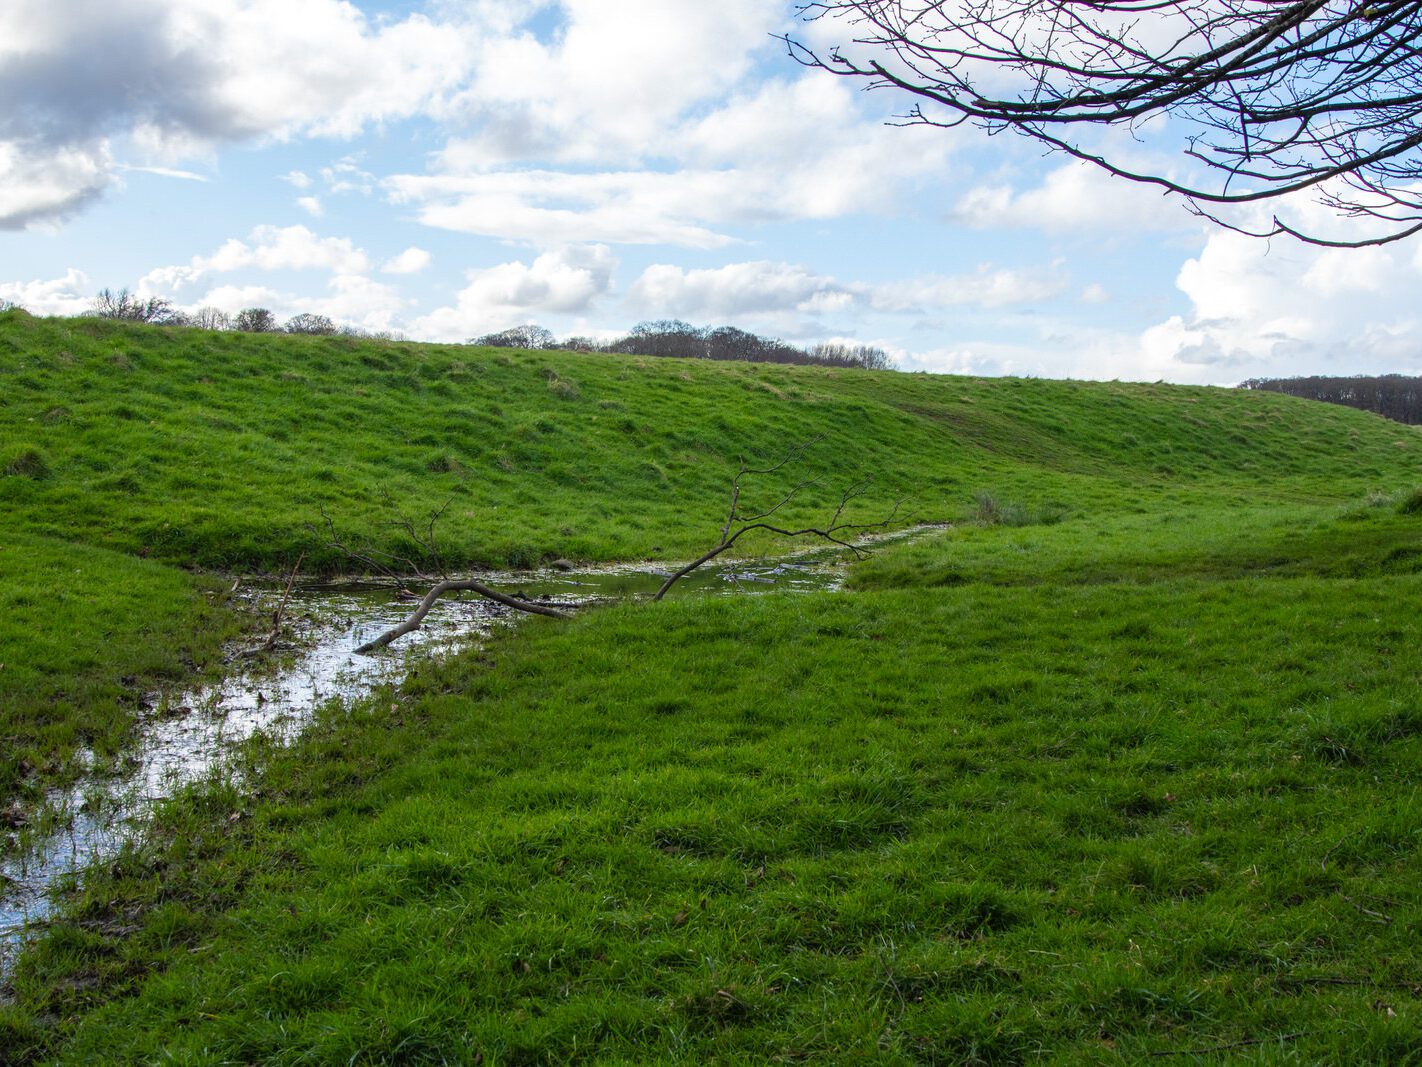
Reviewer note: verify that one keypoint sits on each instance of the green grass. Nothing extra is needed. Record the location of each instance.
(1376, 536)
(977, 825)
(1124, 763)
(84, 632)
(223, 450)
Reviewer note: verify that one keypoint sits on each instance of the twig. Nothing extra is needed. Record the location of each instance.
(1232, 1044)
(1323, 863)
(1386, 920)
(448, 586)
(281, 608)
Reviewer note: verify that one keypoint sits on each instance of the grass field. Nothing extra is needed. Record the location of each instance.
(1123, 765)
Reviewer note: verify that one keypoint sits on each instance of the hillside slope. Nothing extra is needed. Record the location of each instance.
(225, 450)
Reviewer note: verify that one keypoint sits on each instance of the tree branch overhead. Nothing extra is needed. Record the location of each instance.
(1281, 97)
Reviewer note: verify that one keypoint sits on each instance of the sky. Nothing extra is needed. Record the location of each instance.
(451, 168)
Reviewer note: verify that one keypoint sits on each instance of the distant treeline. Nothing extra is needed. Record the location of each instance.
(1393, 396)
(672, 337)
(663, 337)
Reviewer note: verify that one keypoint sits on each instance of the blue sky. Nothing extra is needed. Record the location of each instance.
(447, 169)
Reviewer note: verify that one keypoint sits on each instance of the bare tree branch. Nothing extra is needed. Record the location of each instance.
(834, 531)
(453, 586)
(1278, 97)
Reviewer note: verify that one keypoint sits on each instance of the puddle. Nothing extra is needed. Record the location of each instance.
(186, 737)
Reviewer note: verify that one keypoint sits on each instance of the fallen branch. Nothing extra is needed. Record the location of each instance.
(835, 531)
(455, 586)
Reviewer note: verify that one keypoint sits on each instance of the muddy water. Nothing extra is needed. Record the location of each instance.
(189, 736)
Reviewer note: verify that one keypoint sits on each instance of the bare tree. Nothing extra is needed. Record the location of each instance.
(130, 307)
(529, 336)
(307, 323)
(421, 562)
(835, 354)
(1278, 97)
(398, 566)
(210, 318)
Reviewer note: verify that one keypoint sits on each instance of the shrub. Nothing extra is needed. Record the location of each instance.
(314, 325)
(564, 389)
(255, 320)
(989, 511)
(1411, 503)
(27, 463)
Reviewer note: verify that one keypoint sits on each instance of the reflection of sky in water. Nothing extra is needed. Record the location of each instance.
(186, 738)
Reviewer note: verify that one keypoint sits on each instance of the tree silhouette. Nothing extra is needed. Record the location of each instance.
(1277, 97)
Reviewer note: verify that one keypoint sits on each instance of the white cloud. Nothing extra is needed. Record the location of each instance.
(611, 82)
(1280, 308)
(791, 150)
(563, 282)
(1073, 196)
(173, 77)
(410, 261)
(736, 290)
(165, 172)
(70, 295)
(235, 298)
(740, 290)
(311, 205)
(48, 183)
(297, 179)
(267, 248)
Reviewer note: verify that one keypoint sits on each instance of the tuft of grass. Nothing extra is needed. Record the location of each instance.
(989, 511)
(27, 463)
(1410, 503)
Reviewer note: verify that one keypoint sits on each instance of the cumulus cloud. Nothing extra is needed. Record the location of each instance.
(267, 248)
(70, 295)
(752, 159)
(1276, 309)
(311, 205)
(610, 82)
(410, 261)
(48, 183)
(567, 281)
(762, 288)
(168, 78)
(736, 290)
(1073, 196)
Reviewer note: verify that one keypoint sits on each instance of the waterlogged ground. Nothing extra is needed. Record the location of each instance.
(188, 737)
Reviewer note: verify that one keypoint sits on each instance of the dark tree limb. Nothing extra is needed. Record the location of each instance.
(836, 530)
(1275, 97)
(455, 586)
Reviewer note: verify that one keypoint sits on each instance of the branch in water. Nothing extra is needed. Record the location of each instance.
(467, 585)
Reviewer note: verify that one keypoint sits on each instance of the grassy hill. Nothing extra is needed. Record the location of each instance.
(1124, 764)
(220, 450)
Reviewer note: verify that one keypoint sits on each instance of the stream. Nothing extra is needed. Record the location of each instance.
(188, 736)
